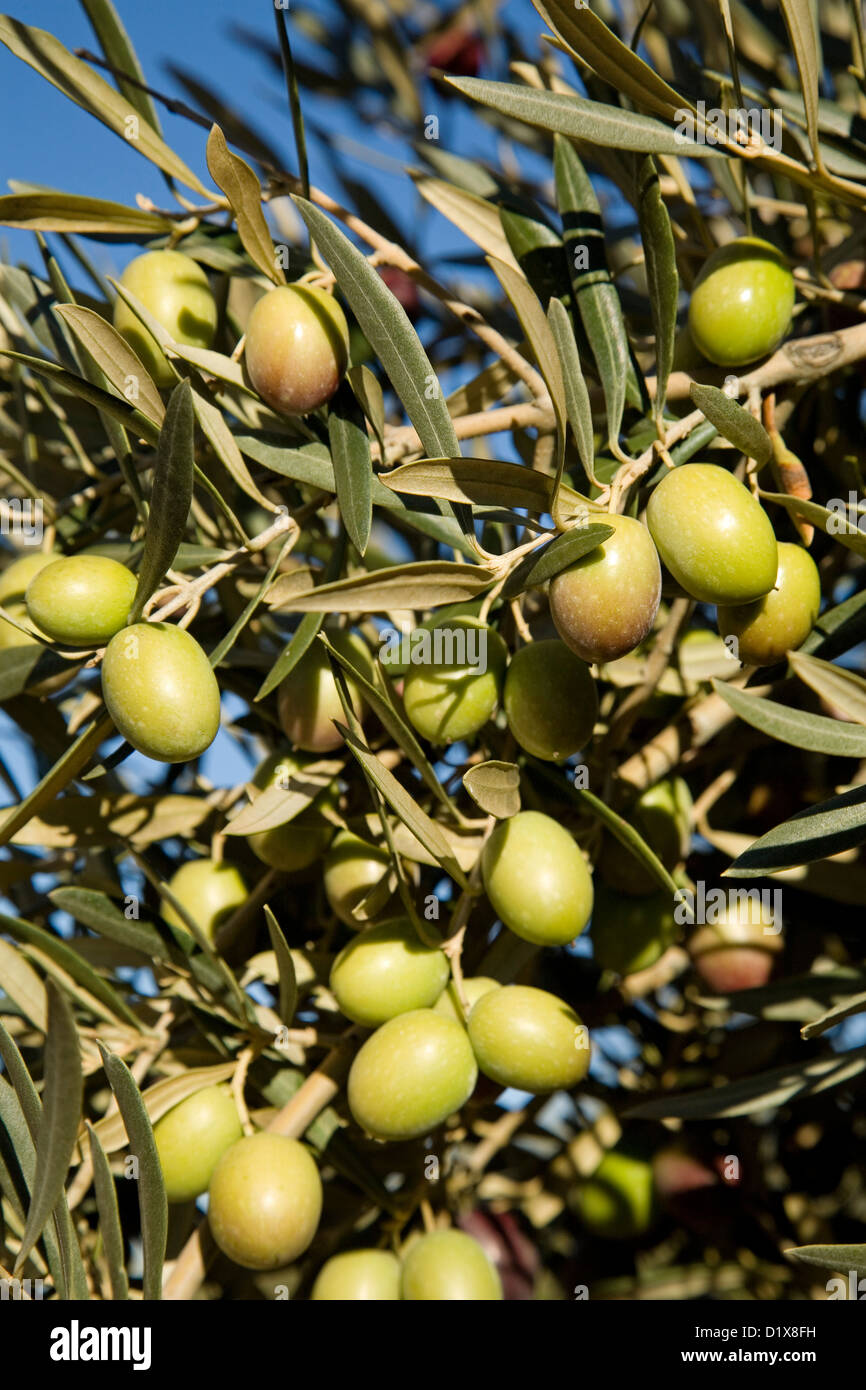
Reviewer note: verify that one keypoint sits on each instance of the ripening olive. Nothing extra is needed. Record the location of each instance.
(297, 348)
(265, 1201)
(474, 986)
(161, 692)
(529, 1039)
(410, 1075)
(386, 971)
(737, 950)
(631, 934)
(713, 535)
(176, 291)
(452, 696)
(662, 817)
(617, 1200)
(81, 601)
(210, 893)
(351, 870)
(604, 605)
(191, 1139)
(449, 1265)
(550, 700)
(781, 621)
(741, 302)
(309, 700)
(356, 1276)
(536, 879)
(297, 843)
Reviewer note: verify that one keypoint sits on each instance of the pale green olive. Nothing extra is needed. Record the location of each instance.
(474, 986)
(176, 291)
(452, 696)
(192, 1138)
(356, 1276)
(265, 1201)
(161, 692)
(386, 970)
(617, 1201)
(741, 303)
(309, 699)
(82, 600)
(410, 1075)
(537, 879)
(769, 628)
(351, 870)
(713, 535)
(449, 1266)
(529, 1039)
(209, 892)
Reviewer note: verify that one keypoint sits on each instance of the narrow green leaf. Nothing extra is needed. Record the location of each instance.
(737, 425)
(387, 328)
(70, 961)
(837, 1258)
(65, 770)
(420, 584)
(291, 654)
(577, 403)
(23, 986)
(353, 465)
(170, 498)
(800, 23)
(285, 969)
(565, 550)
(368, 393)
(832, 521)
(97, 912)
(113, 355)
(222, 441)
(595, 294)
(152, 1201)
(242, 188)
(109, 1217)
(765, 1090)
(119, 52)
(70, 212)
(15, 1132)
(815, 833)
(844, 689)
(796, 726)
(61, 1114)
(482, 482)
(661, 271)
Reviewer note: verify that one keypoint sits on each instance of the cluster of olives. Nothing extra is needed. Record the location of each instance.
(265, 1204)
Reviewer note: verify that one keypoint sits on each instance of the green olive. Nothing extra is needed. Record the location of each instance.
(605, 605)
(410, 1075)
(192, 1138)
(351, 870)
(309, 700)
(713, 535)
(537, 879)
(617, 1201)
(474, 986)
(738, 949)
(779, 623)
(297, 348)
(550, 700)
(631, 934)
(452, 696)
(210, 893)
(161, 692)
(176, 291)
(265, 1201)
(449, 1265)
(662, 817)
(386, 971)
(300, 842)
(15, 579)
(741, 303)
(527, 1038)
(81, 601)
(356, 1276)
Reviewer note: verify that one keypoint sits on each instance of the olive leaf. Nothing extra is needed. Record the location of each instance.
(482, 482)
(243, 190)
(577, 402)
(814, 833)
(832, 521)
(21, 983)
(421, 584)
(353, 468)
(495, 787)
(152, 1202)
(285, 967)
(170, 498)
(661, 270)
(844, 689)
(61, 1111)
(158, 1099)
(737, 425)
(109, 1217)
(476, 217)
(96, 911)
(541, 565)
(795, 726)
(763, 1091)
(70, 212)
(277, 805)
(113, 355)
(117, 47)
(70, 962)
(837, 1258)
